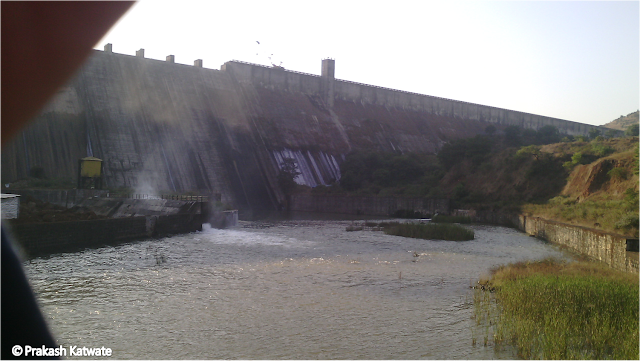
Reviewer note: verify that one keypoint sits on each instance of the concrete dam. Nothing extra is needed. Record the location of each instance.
(163, 127)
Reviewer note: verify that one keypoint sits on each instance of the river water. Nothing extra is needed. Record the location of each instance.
(299, 289)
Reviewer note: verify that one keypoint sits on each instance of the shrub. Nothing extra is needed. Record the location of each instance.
(610, 133)
(547, 135)
(475, 149)
(529, 150)
(629, 221)
(562, 200)
(601, 150)
(431, 231)
(577, 158)
(618, 173)
(568, 165)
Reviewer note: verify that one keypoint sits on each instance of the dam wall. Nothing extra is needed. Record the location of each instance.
(297, 82)
(165, 128)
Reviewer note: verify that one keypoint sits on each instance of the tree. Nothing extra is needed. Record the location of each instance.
(287, 175)
(475, 149)
(593, 133)
(490, 130)
(512, 135)
(632, 130)
(610, 133)
(547, 135)
(528, 136)
(529, 150)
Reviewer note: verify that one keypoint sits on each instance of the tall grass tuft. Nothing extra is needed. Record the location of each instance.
(553, 310)
(431, 231)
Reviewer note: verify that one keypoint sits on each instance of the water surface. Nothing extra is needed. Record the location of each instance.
(285, 290)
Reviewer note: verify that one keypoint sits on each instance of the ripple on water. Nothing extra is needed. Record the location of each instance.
(298, 289)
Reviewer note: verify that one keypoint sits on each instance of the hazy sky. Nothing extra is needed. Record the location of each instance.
(575, 60)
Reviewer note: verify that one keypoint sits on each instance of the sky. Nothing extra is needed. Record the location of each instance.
(572, 60)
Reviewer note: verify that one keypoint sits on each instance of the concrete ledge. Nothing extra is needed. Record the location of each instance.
(39, 239)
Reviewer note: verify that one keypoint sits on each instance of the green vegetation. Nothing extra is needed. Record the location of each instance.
(632, 130)
(604, 214)
(636, 155)
(420, 175)
(618, 173)
(532, 150)
(62, 183)
(38, 179)
(431, 231)
(475, 149)
(576, 159)
(510, 170)
(516, 136)
(371, 172)
(594, 133)
(554, 310)
(287, 175)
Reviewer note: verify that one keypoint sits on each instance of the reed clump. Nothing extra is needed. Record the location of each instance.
(556, 310)
(431, 231)
(450, 219)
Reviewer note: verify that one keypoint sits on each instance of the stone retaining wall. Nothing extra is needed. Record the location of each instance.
(612, 249)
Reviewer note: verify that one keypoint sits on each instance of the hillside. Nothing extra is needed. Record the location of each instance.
(601, 194)
(592, 184)
(588, 183)
(624, 121)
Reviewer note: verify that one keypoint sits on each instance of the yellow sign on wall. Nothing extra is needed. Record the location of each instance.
(90, 167)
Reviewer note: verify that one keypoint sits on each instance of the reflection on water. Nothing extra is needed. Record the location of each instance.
(297, 289)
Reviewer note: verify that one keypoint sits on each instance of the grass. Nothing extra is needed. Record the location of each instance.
(555, 310)
(430, 231)
(619, 216)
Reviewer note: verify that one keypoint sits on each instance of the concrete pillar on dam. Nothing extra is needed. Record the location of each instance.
(197, 63)
(171, 59)
(328, 80)
(108, 48)
(140, 53)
